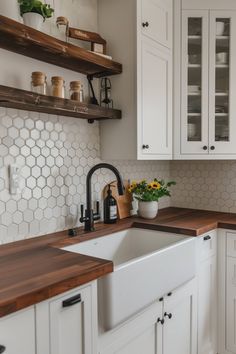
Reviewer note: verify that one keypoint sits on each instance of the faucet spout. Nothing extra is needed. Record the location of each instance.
(89, 216)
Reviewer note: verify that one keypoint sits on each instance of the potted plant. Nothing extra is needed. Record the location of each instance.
(34, 12)
(148, 195)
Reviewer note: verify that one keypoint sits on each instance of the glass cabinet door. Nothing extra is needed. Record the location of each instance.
(194, 112)
(222, 83)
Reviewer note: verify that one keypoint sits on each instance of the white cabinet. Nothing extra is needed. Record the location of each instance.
(180, 314)
(17, 333)
(205, 124)
(141, 334)
(68, 323)
(157, 21)
(142, 41)
(166, 327)
(207, 293)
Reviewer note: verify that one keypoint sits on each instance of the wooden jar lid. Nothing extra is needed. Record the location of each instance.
(75, 85)
(38, 78)
(57, 80)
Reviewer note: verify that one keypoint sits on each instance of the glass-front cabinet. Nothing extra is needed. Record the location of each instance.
(208, 113)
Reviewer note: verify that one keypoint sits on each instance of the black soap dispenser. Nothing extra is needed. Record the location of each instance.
(110, 208)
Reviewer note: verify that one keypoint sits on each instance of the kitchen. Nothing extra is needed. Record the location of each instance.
(170, 60)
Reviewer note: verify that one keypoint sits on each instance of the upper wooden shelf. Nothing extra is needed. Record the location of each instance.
(27, 41)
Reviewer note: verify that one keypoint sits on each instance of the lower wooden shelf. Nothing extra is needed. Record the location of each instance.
(28, 101)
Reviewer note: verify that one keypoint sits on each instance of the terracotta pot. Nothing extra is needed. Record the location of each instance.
(33, 20)
(147, 210)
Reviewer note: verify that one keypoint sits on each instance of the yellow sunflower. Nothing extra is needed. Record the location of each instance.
(155, 185)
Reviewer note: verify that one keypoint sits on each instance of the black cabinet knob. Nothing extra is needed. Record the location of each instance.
(205, 148)
(213, 148)
(161, 299)
(2, 349)
(169, 294)
(145, 24)
(207, 238)
(169, 315)
(161, 321)
(145, 147)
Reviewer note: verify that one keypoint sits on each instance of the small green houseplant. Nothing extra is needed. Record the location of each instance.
(148, 195)
(34, 12)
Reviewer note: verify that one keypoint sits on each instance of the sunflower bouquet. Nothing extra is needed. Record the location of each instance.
(150, 192)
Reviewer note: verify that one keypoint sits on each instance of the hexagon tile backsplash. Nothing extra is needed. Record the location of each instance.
(54, 154)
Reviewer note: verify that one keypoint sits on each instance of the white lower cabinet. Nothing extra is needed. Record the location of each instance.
(68, 323)
(166, 327)
(207, 294)
(17, 333)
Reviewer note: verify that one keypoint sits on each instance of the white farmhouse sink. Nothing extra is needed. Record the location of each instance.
(147, 265)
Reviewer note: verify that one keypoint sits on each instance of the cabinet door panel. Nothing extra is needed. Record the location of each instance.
(194, 105)
(156, 98)
(231, 305)
(207, 307)
(71, 327)
(157, 21)
(17, 332)
(142, 334)
(179, 332)
(222, 90)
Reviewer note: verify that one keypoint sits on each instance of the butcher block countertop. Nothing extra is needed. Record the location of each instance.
(36, 269)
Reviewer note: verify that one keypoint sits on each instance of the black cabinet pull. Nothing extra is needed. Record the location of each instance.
(145, 24)
(2, 349)
(205, 147)
(213, 148)
(145, 147)
(169, 294)
(72, 301)
(207, 238)
(161, 321)
(169, 315)
(161, 299)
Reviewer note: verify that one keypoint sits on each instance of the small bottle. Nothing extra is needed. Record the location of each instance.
(58, 87)
(39, 83)
(110, 208)
(76, 91)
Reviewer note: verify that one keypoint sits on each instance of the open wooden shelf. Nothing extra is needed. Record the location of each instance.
(27, 41)
(28, 101)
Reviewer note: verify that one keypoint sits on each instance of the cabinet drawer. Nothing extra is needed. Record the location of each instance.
(157, 21)
(231, 244)
(207, 245)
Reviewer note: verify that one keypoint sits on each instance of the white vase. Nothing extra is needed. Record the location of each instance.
(147, 210)
(33, 20)
(10, 8)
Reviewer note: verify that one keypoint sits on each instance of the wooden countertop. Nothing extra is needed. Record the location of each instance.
(34, 270)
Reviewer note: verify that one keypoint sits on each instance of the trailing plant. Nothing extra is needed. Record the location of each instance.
(35, 6)
(149, 192)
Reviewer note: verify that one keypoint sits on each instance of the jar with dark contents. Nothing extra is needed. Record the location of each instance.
(76, 91)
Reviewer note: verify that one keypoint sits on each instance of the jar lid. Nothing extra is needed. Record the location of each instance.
(75, 85)
(61, 20)
(38, 78)
(57, 80)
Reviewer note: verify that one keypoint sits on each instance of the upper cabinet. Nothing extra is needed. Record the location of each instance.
(139, 33)
(157, 21)
(205, 124)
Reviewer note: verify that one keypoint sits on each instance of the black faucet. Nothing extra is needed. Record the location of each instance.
(90, 216)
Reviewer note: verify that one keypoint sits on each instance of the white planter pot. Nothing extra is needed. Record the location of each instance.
(10, 8)
(34, 20)
(147, 210)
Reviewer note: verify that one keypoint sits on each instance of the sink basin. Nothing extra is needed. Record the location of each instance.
(147, 265)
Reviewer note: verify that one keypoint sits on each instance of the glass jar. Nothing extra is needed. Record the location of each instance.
(58, 87)
(39, 83)
(76, 91)
(62, 26)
